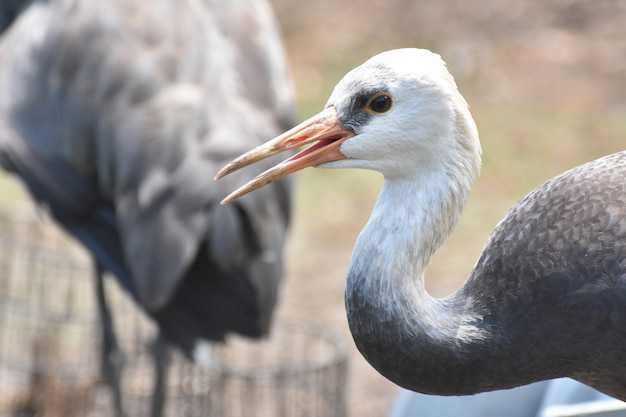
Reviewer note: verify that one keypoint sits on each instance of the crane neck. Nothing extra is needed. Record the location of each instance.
(394, 321)
(409, 222)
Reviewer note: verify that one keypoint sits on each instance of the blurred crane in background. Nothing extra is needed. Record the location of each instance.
(116, 115)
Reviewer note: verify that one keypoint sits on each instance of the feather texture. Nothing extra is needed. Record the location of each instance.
(116, 119)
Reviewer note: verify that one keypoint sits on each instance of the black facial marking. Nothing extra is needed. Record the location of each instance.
(354, 115)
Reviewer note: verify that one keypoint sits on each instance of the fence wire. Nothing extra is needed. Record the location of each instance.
(50, 352)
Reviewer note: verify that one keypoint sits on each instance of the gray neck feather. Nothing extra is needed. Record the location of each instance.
(439, 346)
(392, 318)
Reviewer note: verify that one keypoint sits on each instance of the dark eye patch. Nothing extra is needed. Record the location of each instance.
(356, 114)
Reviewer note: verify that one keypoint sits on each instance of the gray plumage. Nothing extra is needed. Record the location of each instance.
(116, 114)
(546, 299)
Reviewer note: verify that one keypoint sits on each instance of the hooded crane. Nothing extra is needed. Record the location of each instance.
(114, 114)
(547, 297)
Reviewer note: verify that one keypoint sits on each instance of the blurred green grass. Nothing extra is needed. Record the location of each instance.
(12, 194)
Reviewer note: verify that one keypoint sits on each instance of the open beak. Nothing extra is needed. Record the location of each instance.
(324, 129)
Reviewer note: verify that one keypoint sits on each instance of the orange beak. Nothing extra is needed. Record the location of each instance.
(324, 129)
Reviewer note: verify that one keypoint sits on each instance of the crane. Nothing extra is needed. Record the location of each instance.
(114, 114)
(547, 296)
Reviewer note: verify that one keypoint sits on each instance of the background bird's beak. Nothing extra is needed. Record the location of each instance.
(324, 128)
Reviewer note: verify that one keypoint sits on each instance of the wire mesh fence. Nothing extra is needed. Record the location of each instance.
(50, 352)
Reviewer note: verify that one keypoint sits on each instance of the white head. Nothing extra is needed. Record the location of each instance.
(399, 113)
(427, 121)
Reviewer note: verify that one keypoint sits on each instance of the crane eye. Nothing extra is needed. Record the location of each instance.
(380, 103)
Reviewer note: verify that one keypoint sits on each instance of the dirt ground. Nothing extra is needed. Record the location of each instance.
(562, 53)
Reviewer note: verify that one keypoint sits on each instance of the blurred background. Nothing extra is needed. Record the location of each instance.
(546, 82)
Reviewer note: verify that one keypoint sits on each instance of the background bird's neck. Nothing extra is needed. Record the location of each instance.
(396, 324)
